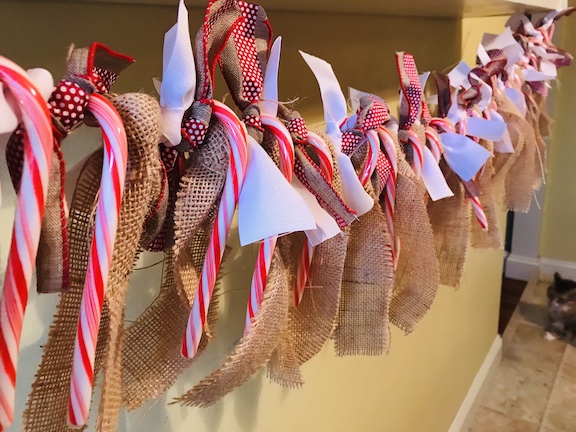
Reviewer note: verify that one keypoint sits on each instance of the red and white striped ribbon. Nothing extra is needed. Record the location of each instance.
(234, 179)
(267, 246)
(100, 259)
(26, 230)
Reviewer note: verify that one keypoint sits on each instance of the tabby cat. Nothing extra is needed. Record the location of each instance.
(561, 309)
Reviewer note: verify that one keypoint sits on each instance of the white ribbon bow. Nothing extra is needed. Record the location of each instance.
(178, 78)
(335, 112)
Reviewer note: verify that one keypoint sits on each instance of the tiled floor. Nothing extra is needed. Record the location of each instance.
(534, 387)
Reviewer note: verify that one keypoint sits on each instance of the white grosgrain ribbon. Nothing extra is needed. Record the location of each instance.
(463, 155)
(433, 178)
(178, 78)
(335, 111)
(269, 206)
(269, 102)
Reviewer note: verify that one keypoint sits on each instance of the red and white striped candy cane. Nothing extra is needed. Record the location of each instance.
(418, 159)
(443, 124)
(26, 230)
(100, 259)
(435, 144)
(324, 155)
(234, 179)
(372, 157)
(327, 167)
(479, 212)
(390, 190)
(267, 246)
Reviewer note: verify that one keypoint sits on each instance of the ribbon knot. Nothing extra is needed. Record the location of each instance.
(298, 130)
(372, 113)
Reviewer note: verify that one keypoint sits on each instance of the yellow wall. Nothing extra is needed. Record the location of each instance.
(420, 385)
(558, 225)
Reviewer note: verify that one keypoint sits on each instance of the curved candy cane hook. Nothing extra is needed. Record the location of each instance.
(390, 197)
(284, 143)
(443, 124)
(107, 215)
(435, 144)
(323, 152)
(26, 230)
(234, 179)
(418, 159)
(372, 157)
(267, 246)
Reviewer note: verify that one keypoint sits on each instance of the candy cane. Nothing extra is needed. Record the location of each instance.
(390, 197)
(234, 178)
(324, 155)
(26, 230)
(443, 124)
(479, 212)
(435, 144)
(327, 167)
(418, 159)
(372, 157)
(100, 259)
(267, 246)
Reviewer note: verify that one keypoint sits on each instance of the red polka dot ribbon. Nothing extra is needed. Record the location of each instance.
(410, 109)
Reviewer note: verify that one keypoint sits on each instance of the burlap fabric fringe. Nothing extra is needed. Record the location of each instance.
(153, 341)
(367, 282)
(241, 364)
(48, 401)
(312, 323)
(491, 238)
(540, 126)
(417, 274)
(515, 176)
(450, 220)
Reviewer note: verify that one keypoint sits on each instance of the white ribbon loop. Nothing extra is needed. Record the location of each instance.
(269, 102)
(178, 78)
(433, 178)
(463, 155)
(261, 214)
(332, 97)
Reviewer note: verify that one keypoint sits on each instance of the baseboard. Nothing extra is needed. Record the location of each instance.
(522, 268)
(491, 361)
(548, 266)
